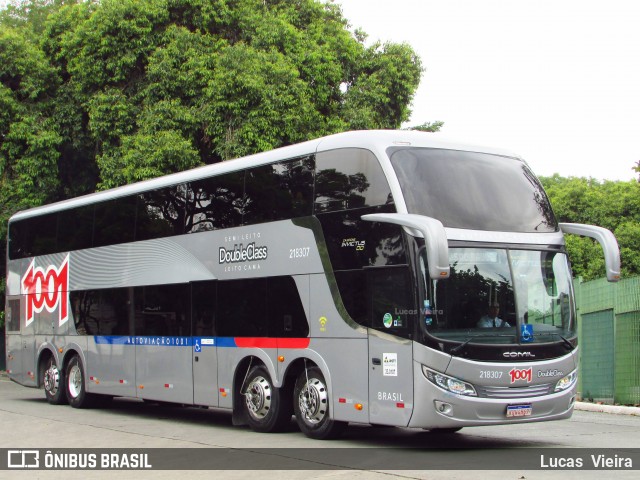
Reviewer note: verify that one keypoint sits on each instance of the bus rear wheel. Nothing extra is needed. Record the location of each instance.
(53, 381)
(311, 406)
(267, 408)
(75, 384)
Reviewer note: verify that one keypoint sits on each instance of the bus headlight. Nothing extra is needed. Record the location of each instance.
(566, 382)
(448, 383)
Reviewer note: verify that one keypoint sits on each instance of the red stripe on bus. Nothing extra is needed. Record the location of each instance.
(293, 342)
(261, 342)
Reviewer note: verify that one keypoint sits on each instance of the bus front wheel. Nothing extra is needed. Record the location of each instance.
(311, 406)
(53, 381)
(267, 408)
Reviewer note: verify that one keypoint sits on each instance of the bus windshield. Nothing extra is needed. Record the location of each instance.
(472, 190)
(493, 292)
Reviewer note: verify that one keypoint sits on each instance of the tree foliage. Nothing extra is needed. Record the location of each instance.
(609, 204)
(96, 94)
(100, 93)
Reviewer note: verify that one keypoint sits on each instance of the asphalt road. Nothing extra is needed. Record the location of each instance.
(28, 421)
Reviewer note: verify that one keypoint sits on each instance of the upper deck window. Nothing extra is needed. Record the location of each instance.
(472, 190)
(349, 178)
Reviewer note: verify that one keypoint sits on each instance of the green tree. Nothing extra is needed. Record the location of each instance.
(428, 127)
(613, 205)
(142, 88)
(29, 140)
(100, 93)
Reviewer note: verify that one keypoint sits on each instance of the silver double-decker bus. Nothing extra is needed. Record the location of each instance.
(373, 277)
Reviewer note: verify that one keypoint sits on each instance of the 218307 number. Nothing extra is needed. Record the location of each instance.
(302, 252)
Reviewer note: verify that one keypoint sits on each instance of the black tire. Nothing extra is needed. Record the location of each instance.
(53, 382)
(311, 406)
(75, 382)
(267, 409)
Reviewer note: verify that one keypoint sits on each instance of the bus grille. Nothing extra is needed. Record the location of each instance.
(514, 392)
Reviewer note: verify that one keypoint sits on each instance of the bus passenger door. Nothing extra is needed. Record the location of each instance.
(205, 351)
(390, 346)
(163, 343)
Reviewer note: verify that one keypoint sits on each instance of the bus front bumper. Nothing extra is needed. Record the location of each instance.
(437, 408)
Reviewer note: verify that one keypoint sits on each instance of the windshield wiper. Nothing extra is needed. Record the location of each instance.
(455, 350)
(565, 342)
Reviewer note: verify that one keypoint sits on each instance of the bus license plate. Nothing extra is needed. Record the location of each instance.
(518, 410)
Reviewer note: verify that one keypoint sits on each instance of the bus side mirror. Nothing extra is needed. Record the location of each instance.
(607, 242)
(433, 232)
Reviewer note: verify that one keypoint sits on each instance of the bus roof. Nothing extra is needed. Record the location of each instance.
(375, 140)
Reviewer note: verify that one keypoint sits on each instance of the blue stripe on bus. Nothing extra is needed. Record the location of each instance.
(159, 341)
(226, 342)
(201, 342)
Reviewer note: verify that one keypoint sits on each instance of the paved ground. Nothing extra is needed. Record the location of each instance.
(29, 422)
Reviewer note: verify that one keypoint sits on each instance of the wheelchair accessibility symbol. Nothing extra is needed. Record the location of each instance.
(526, 333)
(199, 343)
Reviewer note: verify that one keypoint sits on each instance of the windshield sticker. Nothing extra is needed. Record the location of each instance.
(390, 364)
(387, 320)
(526, 333)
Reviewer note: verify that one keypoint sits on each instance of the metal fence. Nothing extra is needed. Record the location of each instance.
(609, 335)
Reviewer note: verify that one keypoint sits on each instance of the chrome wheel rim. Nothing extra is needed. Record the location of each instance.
(258, 398)
(52, 379)
(75, 381)
(313, 401)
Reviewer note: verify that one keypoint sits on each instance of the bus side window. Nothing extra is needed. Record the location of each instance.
(161, 213)
(115, 221)
(215, 203)
(13, 315)
(392, 308)
(33, 236)
(242, 308)
(349, 178)
(101, 312)
(354, 297)
(286, 314)
(75, 230)
(163, 310)
(279, 191)
(203, 307)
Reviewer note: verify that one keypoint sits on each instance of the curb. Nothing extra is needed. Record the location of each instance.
(614, 409)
